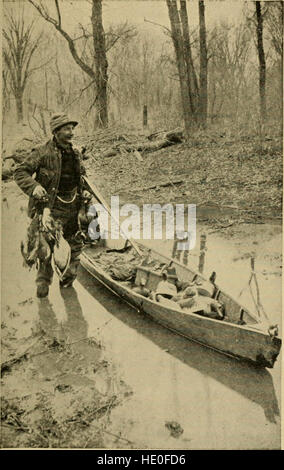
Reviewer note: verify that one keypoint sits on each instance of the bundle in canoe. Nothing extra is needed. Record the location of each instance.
(236, 332)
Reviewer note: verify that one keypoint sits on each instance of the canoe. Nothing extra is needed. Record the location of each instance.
(241, 334)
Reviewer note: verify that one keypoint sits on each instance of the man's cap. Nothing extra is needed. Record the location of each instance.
(58, 120)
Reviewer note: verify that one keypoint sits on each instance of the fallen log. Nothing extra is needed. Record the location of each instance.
(152, 146)
(175, 136)
(147, 147)
(164, 185)
(157, 141)
(161, 185)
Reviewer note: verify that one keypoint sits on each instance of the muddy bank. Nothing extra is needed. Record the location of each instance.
(243, 182)
(57, 389)
(92, 372)
(214, 171)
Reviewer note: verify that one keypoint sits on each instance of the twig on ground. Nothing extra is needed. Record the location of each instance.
(224, 226)
(104, 325)
(161, 185)
(66, 344)
(115, 435)
(6, 365)
(16, 428)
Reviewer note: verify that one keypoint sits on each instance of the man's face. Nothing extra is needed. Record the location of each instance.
(65, 133)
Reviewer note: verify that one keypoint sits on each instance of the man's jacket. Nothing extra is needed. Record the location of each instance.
(44, 163)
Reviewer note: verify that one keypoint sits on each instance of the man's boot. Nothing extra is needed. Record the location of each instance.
(44, 278)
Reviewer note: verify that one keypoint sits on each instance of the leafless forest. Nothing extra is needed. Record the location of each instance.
(229, 75)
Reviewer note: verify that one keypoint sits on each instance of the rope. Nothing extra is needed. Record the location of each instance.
(257, 303)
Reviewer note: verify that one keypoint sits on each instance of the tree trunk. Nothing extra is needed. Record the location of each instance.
(281, 55)
(101, 64)
(262, 64)
(181, 65)
(203, 99)
(191, 75)
(19, 107)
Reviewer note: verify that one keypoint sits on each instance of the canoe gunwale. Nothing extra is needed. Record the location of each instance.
(193, 315)
(141, 303)
(255, 317)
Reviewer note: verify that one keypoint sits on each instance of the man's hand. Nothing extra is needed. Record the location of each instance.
(86, 195)
(47, 220)
(40, 193)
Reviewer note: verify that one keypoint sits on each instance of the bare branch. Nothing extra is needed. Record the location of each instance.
(41, 66)
(58, 13)
(43, 12)
(161, 26)
(11, 71)
(122, 32)
(80, 94)
(82, 36)
(92, 105)
(57, 24)
(26, 73)
(18, 50)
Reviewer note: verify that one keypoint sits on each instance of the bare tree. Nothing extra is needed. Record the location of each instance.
(178, 42)
(261, 58)
(99, 75)
(228, 49)
(191, 75)
(101, 64)
(203, 66)
(91, 57)
(274, 23)
(194, 95)
(5, 91)
(274, 17)
(20, 45)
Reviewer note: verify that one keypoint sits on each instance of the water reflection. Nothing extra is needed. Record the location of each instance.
(72, 329)
(75, 325)
(47, 316)
(76, 361)
(253, 383)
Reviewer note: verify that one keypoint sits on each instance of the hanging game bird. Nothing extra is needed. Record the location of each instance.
(35, 246)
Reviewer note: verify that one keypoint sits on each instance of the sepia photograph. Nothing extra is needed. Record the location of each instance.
(141, 223)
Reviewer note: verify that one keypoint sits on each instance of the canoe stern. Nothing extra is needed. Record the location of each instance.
(268, 356)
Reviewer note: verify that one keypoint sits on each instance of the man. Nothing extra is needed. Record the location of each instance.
(57, 190)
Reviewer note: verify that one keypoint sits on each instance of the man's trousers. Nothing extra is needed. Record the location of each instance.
(67, 213)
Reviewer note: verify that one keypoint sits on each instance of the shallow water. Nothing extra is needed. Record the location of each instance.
(219, 402)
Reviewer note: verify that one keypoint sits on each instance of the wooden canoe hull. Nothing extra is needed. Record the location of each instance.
(242, 342)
